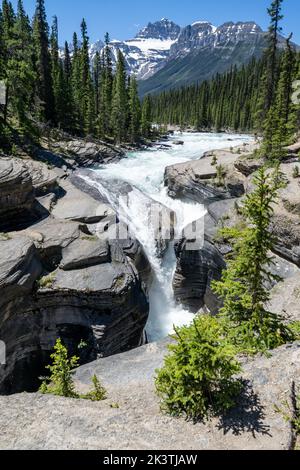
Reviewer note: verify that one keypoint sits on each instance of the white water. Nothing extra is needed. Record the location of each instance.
(145, 171)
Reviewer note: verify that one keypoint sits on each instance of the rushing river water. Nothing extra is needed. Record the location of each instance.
(144, 170)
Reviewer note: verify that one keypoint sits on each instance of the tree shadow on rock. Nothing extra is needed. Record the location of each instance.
(247, 416)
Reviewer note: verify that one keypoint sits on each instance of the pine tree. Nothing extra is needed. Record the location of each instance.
(243, 287)
(146, 118)
(46, 104)
(97, 81)
(119, 101)
(2, 50)
(56, 71)
(278, 128)
(87, 90)
(8, 21)
(104, 120)
(68, 102)
(271, 74)
(134, 111)
(76, 84)
(21, 66)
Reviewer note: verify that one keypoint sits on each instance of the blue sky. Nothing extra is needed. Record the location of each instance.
(123, 18)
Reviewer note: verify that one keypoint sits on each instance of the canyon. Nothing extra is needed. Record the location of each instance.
(113, 302)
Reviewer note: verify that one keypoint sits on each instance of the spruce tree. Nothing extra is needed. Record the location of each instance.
(134, 111)
(278, 127)
(146, 118)
(104, 120)
(76, 84)
(271, 73)
(119, 101)
(86, 86)
(2, 51)
(68, 102)
(244, 284)
(46, 104)
(20, 67)
(56, 71)
(97, 81)
(8, 21)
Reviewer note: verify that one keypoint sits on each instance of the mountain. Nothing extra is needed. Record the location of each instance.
(203, 50)
(148, 52)
(163, 55)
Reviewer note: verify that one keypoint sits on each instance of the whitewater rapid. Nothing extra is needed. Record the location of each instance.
(144, 171)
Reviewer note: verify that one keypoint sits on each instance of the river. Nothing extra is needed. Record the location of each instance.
(144, 170)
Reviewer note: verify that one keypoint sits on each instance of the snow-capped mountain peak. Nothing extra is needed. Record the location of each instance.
(163, 30)
(159, 42)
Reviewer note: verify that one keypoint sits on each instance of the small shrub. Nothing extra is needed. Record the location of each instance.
(290, 415)
(295, 328)
(82, 345)
(197, 377)
(98, 393)
(214, 161)
(14, 150)
(46, 281)
(60, 382)
(4, 237)
(115, 406)
(90, 238)
(220, 175)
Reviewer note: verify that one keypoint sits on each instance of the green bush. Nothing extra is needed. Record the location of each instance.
(214, 161)
(60, 381)
(243, 287)
(220, 178)
(98, 393)
(197, 379)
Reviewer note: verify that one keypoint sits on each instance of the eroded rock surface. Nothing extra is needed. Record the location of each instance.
(88, 153)
(194, 272)
(187, 179)
(137, 423)
(59, 279)
(198, 180)
(16, 194)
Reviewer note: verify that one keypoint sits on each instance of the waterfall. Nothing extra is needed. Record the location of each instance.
(143, 174)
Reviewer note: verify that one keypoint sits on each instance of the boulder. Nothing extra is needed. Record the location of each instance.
(79, 206)
(248, 165)
(197, 180)
(130, 419)
(44, 179)
(16, 195)
(51, 237)
(85, 252)
(88, 153)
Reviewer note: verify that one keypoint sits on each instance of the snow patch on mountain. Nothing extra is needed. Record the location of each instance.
(146, 45)
(159, 42)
